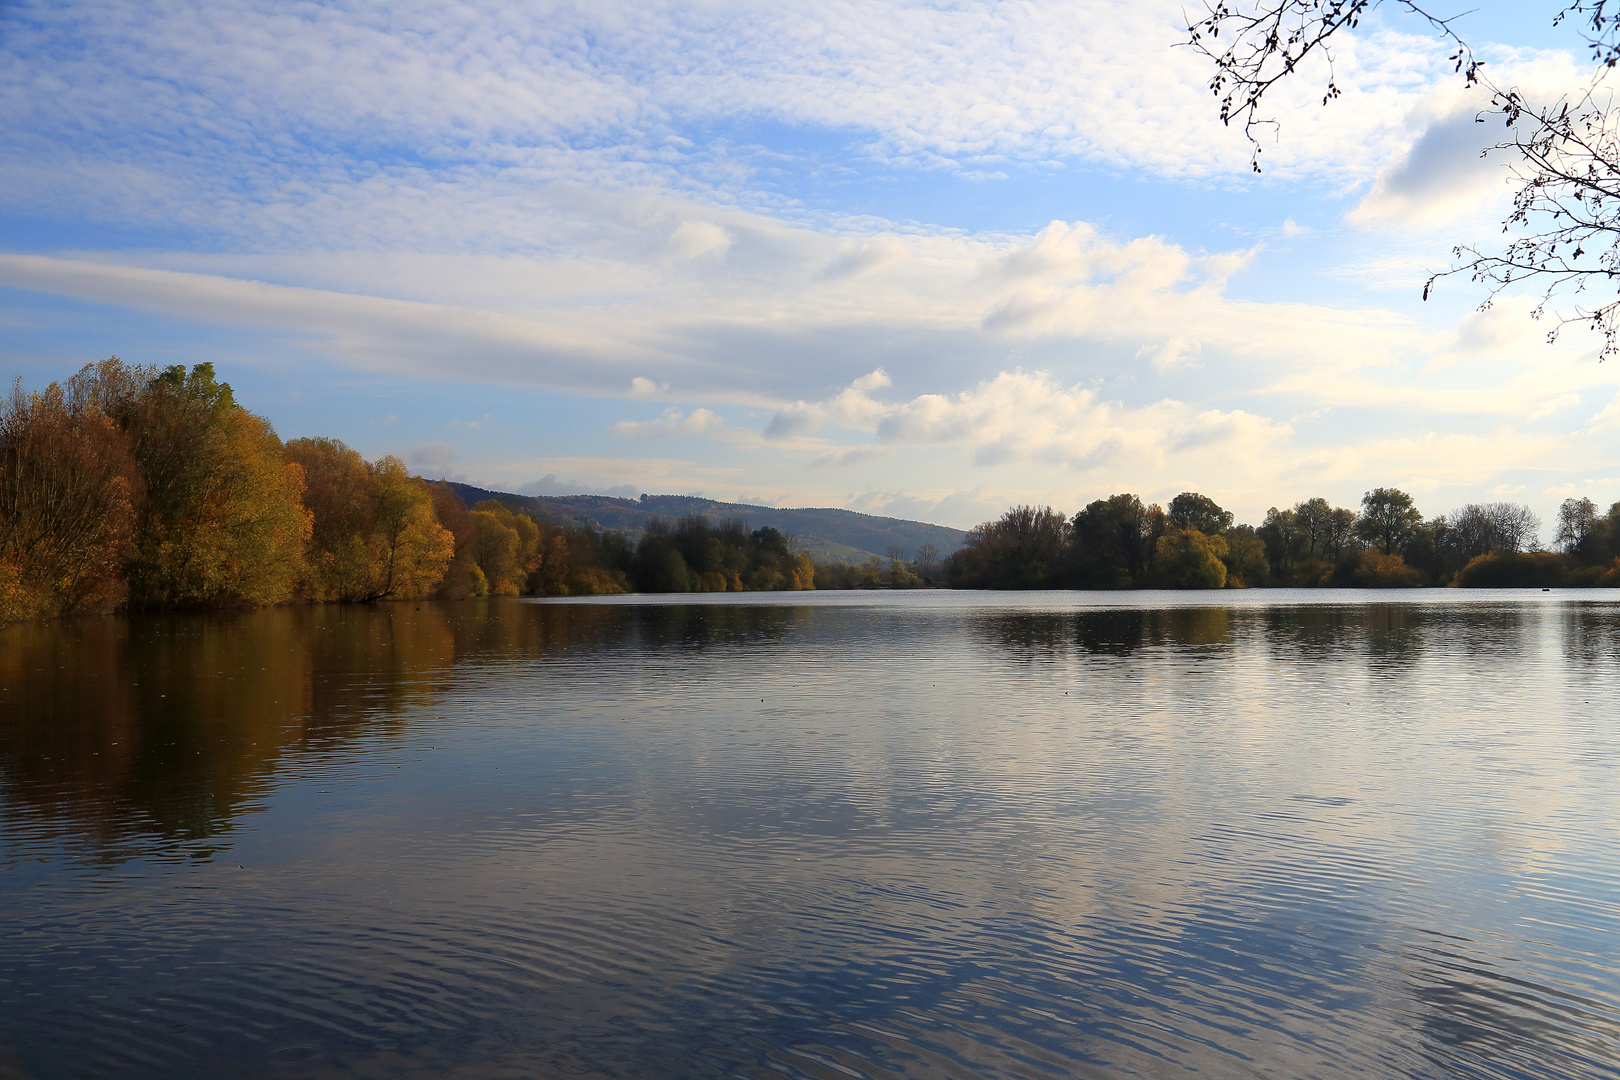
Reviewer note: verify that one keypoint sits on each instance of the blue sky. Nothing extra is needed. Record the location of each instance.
(921, 259)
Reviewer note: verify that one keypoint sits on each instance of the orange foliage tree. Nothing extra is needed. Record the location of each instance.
(375, 534)
(67, 488)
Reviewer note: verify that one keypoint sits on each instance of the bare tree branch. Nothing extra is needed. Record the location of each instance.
(1564, 229)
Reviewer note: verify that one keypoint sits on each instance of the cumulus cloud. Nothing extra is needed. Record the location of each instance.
(1030, 416)
(1444, 175)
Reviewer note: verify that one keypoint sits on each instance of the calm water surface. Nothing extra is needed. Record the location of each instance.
(842, 835)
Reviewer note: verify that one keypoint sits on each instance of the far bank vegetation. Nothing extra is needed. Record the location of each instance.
(1120, 543)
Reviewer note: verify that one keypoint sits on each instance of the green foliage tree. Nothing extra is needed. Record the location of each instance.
(1114, 542)
(1284, 542)
(1024, 549)
(1190, 510)
(1580, 530)
(696, 555)
(1389, 520)
(1246, 565)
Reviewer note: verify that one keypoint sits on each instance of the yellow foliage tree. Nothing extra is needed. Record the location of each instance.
(463, 578)
(413, 549)
(803, 575)
(506, 547)
(1187, 559)
(223, 521)
(376, 535)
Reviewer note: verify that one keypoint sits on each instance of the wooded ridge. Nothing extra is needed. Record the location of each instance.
(826, 534)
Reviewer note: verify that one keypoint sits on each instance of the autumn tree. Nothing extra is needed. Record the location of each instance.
(463, 577)
(375, 534)
(340, 496)
(222, 520)
(506, 547)
(411, 549)
(68, 485)
(1189, 559)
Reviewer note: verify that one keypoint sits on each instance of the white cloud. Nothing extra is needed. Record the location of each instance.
(1029, 416)
(1552, 405)
(506, 195)
(1606, 417)
(672, 423)
(549, 484)
(1445, 175)
(431, 458)
(693, 240)
(344, 125)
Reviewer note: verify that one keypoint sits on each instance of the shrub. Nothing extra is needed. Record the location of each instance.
(1191, 560)
(1375, 571)
(1514, 570)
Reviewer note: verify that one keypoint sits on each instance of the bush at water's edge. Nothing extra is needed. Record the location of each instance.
(1533, 570)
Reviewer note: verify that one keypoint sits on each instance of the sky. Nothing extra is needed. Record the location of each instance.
(926, 260)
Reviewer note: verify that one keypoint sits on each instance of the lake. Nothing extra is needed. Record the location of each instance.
(1266, 834)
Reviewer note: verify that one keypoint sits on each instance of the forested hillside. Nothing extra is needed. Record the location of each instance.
(826, 535)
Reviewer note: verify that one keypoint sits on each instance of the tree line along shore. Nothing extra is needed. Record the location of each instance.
(139, 488)
(1120, 543)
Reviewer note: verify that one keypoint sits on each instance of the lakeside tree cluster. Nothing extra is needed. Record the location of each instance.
(1121, 543)
(139, 488)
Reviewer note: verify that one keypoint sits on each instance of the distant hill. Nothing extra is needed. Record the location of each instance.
(829, 535)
